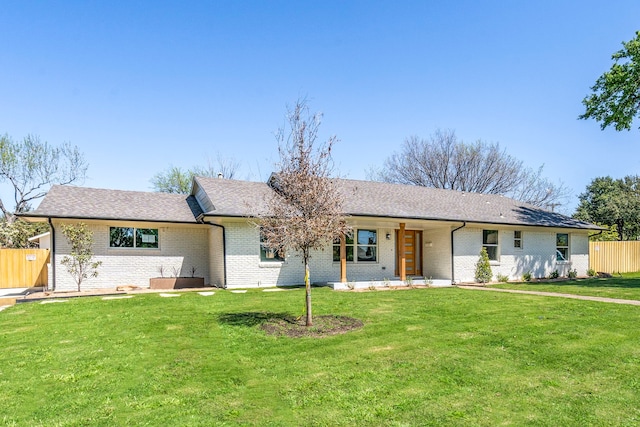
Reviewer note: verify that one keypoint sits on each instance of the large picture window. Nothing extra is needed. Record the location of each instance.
(130, 237)
(562, 247)
(361, 247)
(490, 243)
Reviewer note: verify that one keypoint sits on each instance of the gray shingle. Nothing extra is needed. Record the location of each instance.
(64, 201)
(377, 199)
(233, 198)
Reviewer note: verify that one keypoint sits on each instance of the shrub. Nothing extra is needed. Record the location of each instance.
(502, 278)
(591, 272)
(483, 268)
(573, 274)
(526, 276)
(554, 275)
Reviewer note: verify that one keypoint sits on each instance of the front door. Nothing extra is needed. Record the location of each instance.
(412, 253)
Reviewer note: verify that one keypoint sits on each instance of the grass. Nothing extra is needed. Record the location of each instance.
(624, 286)
(424, 357)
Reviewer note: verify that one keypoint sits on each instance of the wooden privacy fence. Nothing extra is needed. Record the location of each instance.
(23, 268)
(618, 257)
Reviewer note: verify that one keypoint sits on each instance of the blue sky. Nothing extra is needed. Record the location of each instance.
(141, 86)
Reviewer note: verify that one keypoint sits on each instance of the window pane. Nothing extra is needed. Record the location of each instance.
(267, 254)
(492, 251)
(336, 253)
(489, 237)
(562, 239)
(517, 234)
(366, 253)
(121, 237)
(146, 238)
(517, 243)
(562, 254)
(367, 237)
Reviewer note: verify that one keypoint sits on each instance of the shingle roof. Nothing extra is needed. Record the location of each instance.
(63, 201)
(233, 198)
(377, 199)
(368, 198)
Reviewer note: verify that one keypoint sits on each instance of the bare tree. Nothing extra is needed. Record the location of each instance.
(444, 161)
(31, 167)
(305, 210)
(177, 180)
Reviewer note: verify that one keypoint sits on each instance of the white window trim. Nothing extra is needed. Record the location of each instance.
(568, 258)
(520, 239)
(355, 248)
(497, 246)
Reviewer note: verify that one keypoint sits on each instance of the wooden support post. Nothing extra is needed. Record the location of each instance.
(343, 259)
(401, 255)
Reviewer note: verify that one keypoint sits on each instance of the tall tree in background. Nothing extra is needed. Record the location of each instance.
(614, 203)
(615, 97)
(29, 167)
(305, 211)
(444, 161)
(177, 180)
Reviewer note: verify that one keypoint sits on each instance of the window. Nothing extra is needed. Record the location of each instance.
(363, 249)
(130, 237)
(517, 239)
(562, 247)
(268, 254)
(490, 243)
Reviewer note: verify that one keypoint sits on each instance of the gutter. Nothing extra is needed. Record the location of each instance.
(464, 224)
(224, 247)
(52, 255)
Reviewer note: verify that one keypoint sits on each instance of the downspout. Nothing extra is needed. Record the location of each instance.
(52, 255)
(464, 224)
(224, 250)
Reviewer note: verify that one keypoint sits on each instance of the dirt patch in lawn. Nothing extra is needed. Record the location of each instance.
(322, 326)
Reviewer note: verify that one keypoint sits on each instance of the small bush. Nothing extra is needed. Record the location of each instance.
(503, 278)
(573, 274)
(526, 276)
(483, 268)
(554, 275)
(591, 272)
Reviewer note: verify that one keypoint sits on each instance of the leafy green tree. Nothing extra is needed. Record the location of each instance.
(177, 180)
(80, 263)
(16, 234)
(615, 97)
(613, 203)
(483, 267)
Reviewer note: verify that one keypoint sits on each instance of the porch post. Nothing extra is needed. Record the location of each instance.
(401, 255)
(343, 259)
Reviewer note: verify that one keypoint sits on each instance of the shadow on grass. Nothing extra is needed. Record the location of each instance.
(254, 318)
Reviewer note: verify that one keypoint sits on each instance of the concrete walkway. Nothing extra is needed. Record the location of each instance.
(555, 294)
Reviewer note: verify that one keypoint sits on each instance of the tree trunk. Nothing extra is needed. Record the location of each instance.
(307, 286)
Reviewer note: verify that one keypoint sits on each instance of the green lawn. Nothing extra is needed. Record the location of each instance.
(626, 286)
(424, 357)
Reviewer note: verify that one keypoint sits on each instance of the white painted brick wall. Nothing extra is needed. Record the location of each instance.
(244, 268)
(437, 255)
(216, 257)
(537, 256)
(181, 246)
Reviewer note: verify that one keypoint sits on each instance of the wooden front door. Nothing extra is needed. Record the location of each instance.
(412, 252)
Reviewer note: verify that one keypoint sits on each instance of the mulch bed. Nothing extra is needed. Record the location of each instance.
(322, 326)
